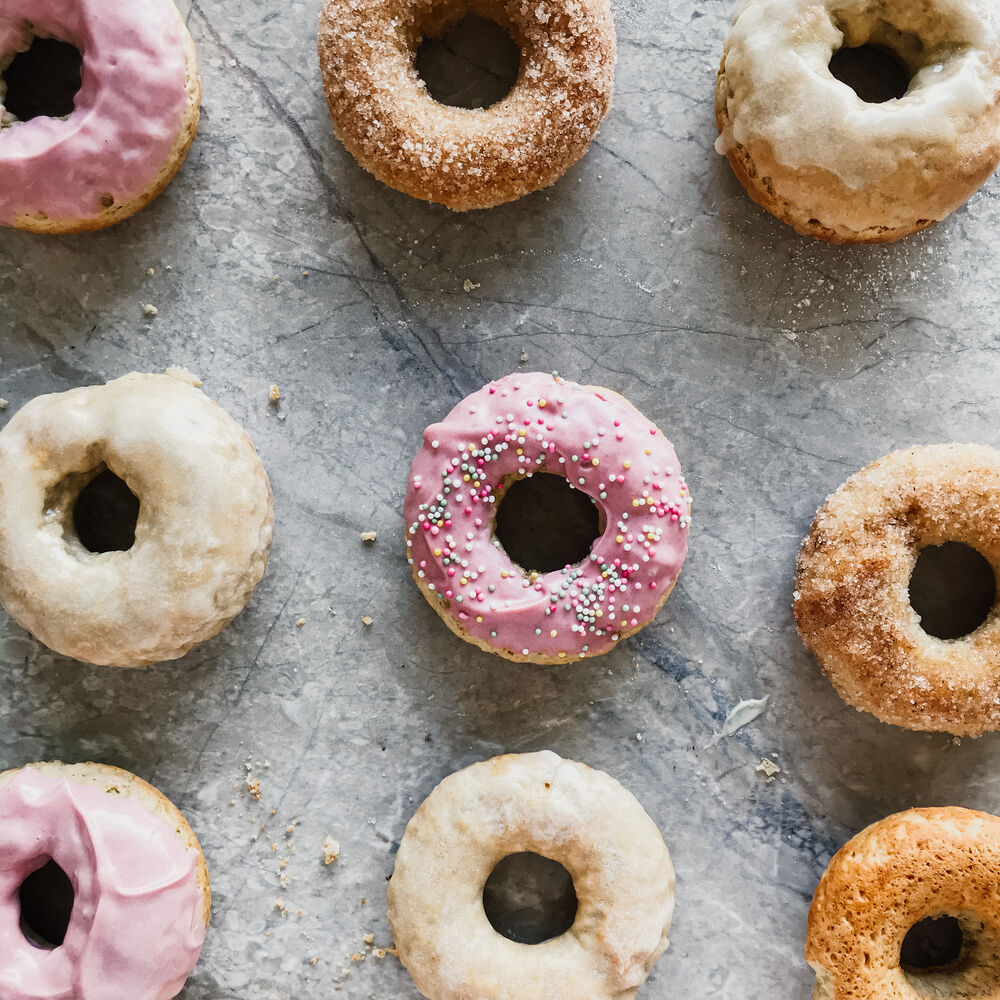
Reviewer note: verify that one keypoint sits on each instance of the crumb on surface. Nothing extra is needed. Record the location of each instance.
(182, 373)
(253, 787)
(3, 403)
(524, 357)
(150, 271)
(368, 537)
(300, 622)
(470, 286)
(367, 619)
(768, 769)
(314, 960)
(331, 850)
(274, 393)
(149, 309)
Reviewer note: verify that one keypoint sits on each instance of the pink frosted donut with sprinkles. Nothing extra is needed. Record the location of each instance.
(515, 427)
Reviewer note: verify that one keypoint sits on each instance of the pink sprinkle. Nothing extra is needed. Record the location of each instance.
(479, 522)
(652, 585)
(427, 526)
(618, 423)
(447, 523)
(435, 530)
(493, 389)
(619, 436)
(468, 510)
(634, 622)
(451, 571)
(652, 430)
(447, 593)
(423, 564)
(531, 402)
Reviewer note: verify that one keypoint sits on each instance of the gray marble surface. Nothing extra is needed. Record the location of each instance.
(778, 367)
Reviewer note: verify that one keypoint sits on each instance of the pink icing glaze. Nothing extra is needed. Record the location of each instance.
(137, 927)
(127, 116)
(527, 423)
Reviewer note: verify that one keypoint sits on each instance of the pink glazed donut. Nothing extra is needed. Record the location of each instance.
(132, 123)
(141, 897)
(512, 428)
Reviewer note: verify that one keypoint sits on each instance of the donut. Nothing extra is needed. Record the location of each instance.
(202, 533)
(852, 582)
(141, 897)
(467, 158)
(515, 427)
(815, 155)
(912, 866)
(539, 803)
(132, 122)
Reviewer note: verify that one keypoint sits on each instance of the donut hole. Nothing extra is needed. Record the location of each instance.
(873, 71)
(46, 897)
(544, 524)
(931, 943)
(105, 514)
(952, 589)
(43, 81)
(529, 898)
(473, 63)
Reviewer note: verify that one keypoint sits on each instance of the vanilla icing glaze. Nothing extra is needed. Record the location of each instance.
(776, 63)
(517, 426)
(127, 116)
(137, 924)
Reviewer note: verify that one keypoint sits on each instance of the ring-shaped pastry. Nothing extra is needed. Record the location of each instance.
(467, 158)
(852, 600)
(914, 865)
(141, 896)
(539, 803)
(813, 153)
(132, 123)
(202, 535)
(522, 425)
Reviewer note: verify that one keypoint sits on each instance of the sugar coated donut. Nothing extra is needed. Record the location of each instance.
(141, 898)
(517, 426)
(132, 122)
(202, 535)
(538, 803)
(814, 154)
(915, 865)
(852, 588)
(467, 158)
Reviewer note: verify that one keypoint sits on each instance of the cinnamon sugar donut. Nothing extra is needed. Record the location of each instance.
(562, 810)
(141, 898)
(202, 534)
(814, 154)
(133, 119)
(914, 865)
(852, 588)
(467, 158)
(529, 424)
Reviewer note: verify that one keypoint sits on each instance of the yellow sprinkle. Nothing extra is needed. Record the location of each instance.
(561, 653)
(619, 539)
(543, 403)
(553, 633)
(595, 461)
(599, 613)
(463, 581)
(635, 503)
(627, 464)
(437, 552)
(479, 618)
(520, 451)
(465, 478)
(649, 452)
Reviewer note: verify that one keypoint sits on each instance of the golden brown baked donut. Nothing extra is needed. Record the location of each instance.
(467, 158)
(814, 154)
(852, 600)
(202, 533)
(918, 864)
(562, 810)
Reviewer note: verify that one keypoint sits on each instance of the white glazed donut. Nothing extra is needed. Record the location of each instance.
(817, 156)
(562, 810)
(201, 539)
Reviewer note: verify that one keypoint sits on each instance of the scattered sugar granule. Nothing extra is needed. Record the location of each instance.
(3, 403)
(274, 393)
(470, 286)
(524, 356)
(331, 850)
(768, 769)
(149, 309)
(150, 271)
(314, 960)
(368, 537)
(367, 620)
